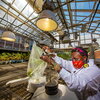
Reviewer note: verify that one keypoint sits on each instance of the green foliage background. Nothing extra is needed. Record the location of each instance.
(64, 55)
(6, 56)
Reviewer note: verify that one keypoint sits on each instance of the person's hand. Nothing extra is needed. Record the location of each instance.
(47, 49)
(46, 59)
(57, 67)
(51, 61)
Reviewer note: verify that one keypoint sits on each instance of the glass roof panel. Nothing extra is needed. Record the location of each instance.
(10, 1)
(13, 11)
(94, 24)
(29, 30)
(2, 13)
(4, 22)
(96, 36)
(34, 32)
(17, 22)
(61, 0)
(34, 15)
(24, 26)
(20, 30)
(6, 17)
(88, 41)
(2, 25)
(11, 19)
(20, 16)
(66, 13)
(82, 5)
(80, 13)
(15, 28)
(19, 4)
(65, 7)
(96, 19)
(97, 15)
(3, 4)
(87, 19)
(27, 11)
(98, 28)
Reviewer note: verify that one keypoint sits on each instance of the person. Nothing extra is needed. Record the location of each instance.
(80, 74)
(95, 44)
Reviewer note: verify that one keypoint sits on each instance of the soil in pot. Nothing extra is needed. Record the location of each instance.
(51, 88)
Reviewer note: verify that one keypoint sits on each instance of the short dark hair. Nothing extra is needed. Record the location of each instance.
(81, 50)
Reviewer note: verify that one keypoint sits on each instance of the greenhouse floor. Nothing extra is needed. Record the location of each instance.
(11, 72)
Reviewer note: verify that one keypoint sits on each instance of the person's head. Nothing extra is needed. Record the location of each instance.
(79, 57)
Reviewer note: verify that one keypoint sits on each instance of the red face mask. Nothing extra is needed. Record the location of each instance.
(78, 64)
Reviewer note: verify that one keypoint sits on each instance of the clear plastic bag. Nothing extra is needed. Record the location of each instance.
(36, 66)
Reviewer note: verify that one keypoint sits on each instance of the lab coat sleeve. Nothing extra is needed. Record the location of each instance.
(73, 81)
(63, 63)
(93, 87)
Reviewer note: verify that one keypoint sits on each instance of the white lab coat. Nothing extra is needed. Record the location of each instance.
(85, 82)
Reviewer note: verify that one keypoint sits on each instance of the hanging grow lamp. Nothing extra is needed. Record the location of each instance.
(8, 36)
(47, 21)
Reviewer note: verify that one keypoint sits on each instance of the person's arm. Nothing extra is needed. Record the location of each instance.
(54, 58)
(49, 60)
(67, 65)
(82, 79)
(73, 81)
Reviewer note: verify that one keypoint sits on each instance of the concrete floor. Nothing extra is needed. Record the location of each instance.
(10, 72)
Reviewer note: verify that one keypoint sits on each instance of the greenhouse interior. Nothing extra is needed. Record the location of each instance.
(61, 26)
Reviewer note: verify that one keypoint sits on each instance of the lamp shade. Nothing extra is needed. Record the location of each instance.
(47, 21)
(66, 39)
(8, 36)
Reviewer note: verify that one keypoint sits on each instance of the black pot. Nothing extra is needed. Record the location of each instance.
(51, 88)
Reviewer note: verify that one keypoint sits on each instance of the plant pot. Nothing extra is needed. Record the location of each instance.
(51, 88)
